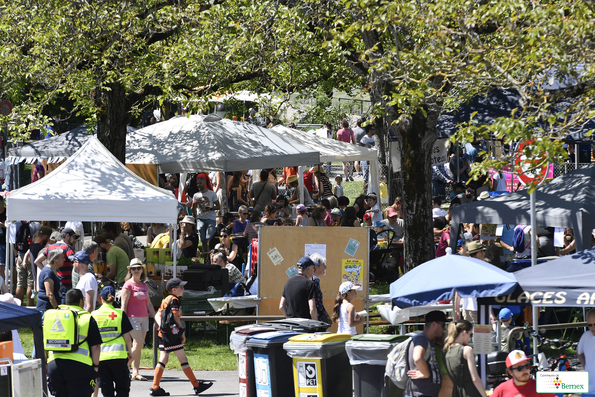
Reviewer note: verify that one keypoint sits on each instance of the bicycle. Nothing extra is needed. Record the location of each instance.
(560, 363)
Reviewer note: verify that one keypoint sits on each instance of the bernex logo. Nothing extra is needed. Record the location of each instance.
(562, 382)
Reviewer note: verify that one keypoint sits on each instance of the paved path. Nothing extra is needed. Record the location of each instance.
(225, 383)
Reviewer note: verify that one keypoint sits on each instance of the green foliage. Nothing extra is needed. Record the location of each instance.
(325, 110)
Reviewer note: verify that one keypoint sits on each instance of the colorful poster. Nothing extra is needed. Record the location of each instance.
(488, 232)
(292, 271)
(351, 270)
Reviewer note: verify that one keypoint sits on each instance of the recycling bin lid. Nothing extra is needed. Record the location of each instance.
(318, 345)
(372, 349)
(379, 338)
(238, 338)
(270, 339)
(319, 337)
(299, 324)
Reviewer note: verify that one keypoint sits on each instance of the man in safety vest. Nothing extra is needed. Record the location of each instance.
(114, 327)
(72, 341)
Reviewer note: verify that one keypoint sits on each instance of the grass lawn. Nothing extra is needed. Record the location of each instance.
(203, 354)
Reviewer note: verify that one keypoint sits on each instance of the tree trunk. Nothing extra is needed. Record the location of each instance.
(417, 136)
(112, 118)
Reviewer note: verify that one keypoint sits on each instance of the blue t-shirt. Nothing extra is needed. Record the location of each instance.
(239, 227)
(43, 302)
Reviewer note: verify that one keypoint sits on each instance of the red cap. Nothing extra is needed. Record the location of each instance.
(516, 357)
(367, 216)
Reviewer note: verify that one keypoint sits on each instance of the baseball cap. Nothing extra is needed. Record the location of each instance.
(68, 231)
(475, 246)
(174, 282)
(378, 224)
(435, 315)
(335, 211)
(82, 257)
(390, 212)
(516, 357)
(348, 286)
(305, 261)
(106, 291)
(505, 314)
(55, 236)
(367, 216)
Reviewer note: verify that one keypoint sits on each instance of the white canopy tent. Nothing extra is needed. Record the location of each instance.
(334, 150)
(209, 143)
(92, 185)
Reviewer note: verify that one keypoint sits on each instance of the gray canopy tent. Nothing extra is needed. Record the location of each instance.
(567, 201)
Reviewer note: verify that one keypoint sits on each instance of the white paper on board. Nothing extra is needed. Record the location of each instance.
(499, 230)
(275, 256)
(559, 237)
(310, 249)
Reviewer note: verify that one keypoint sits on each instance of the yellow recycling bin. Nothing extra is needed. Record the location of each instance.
(320, 365)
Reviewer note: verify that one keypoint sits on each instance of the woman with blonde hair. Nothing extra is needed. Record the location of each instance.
(460, 361)
(137, 306)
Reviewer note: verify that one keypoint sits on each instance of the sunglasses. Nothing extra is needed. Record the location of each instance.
(522, 367)
(224, 236)
(136, 268)
(590, 325)
(245, 213)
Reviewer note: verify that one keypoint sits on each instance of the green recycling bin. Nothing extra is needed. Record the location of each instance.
(367, 355)
(320, 365)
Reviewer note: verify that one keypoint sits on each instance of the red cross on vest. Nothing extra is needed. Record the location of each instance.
(112, 316)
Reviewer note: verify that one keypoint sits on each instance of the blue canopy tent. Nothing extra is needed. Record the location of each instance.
(16, 317)
(439, 278)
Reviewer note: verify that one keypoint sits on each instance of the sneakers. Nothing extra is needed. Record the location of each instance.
(202, 386)
(158, 392)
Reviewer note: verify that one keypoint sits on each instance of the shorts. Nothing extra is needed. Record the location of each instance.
(173, 343)
(2, 254)
(139, 323)
(24, 276)
(206, 228)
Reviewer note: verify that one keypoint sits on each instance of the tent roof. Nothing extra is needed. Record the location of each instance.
(15, 317)
(566, 201)
(330, 149)
(209, 143)
(567, 281)
(54, 149)
(92, 185)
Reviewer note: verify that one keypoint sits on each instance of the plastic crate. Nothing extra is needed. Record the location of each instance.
(192, 304)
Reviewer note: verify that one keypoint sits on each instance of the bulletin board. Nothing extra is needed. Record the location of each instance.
(346, 248)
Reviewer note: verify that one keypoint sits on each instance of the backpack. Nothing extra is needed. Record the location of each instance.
(23, 238)
(60, 330)
(518, 239)
(397, 364)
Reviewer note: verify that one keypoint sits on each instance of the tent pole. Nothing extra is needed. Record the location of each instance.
(534, 263)
(175, 248)
(6, 264)
(301, 183)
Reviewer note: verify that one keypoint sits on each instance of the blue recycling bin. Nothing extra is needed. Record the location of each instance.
(273, 370)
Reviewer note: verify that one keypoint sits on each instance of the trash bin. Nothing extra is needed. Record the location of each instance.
(237, 343)
(303, 325)
(272, 367)
(320, 365)
(367, 355)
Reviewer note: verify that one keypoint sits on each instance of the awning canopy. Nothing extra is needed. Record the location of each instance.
(92, 185)
(209, 143)
(567, 201)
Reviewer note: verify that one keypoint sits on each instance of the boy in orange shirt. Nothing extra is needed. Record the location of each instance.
(172, 339)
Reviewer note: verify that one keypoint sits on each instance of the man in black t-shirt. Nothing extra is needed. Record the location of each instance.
(299, 295)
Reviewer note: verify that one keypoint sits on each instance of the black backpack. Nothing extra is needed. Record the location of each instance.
(23, 238)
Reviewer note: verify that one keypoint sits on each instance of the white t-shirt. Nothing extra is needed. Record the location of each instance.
(378, 215)
(367, 141)
(586, 346)
(88, 283)
(206, 199)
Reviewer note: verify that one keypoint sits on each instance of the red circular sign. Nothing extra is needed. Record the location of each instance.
(5, 108)
(523, 164)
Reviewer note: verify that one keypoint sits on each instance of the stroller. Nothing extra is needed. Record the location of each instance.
(381, 267)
